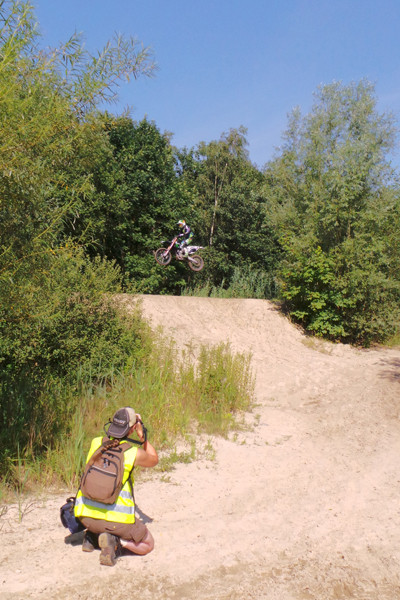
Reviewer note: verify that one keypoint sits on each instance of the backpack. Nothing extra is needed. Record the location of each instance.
(102, 478)
(68, 518)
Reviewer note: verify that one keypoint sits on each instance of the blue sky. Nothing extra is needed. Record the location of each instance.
(226, 63)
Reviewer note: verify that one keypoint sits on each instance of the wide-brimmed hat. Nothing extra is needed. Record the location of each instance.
(121, 422)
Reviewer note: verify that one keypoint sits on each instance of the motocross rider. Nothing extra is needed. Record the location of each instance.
(186, 235)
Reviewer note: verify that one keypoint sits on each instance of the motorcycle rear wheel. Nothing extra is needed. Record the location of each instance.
(196, 263)
(162, 256)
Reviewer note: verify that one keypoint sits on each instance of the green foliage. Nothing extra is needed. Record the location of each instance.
(43, 136)
(224, 386)
(308, 287)
(172, 392)
(229, 209)
(69, 330)
(334, 200)
(133, 205)
(394, 341)
(46, 145)
(83, 79)
(244, 283)
(56, 315)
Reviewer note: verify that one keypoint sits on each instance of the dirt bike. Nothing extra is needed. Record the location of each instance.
(164, 255)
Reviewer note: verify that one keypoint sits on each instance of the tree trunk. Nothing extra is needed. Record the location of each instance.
(217, 191)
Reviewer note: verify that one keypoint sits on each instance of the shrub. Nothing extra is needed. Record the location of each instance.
(67, 331)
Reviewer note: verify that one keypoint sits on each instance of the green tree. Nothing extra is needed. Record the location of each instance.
(228, 207)
(47, 136)
(335, 202)
(135, 203)
(43, 97)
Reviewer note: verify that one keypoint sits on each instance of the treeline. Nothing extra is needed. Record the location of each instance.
(87, 196)
(317, 228)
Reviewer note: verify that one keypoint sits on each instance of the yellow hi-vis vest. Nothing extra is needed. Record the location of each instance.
(123, 510)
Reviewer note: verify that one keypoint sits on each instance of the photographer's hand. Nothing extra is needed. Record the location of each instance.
(139, 428)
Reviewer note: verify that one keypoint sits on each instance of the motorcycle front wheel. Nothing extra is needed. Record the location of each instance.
(196, 263)
(162, 256)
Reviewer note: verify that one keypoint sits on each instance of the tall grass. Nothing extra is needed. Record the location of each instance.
(394, 341)
(244, 283)
(175, 393)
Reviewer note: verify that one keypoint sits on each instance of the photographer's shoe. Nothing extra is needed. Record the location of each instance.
(110, 549)
(90, 541)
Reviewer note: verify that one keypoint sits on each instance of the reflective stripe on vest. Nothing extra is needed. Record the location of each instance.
(128, 510)
(123, 510)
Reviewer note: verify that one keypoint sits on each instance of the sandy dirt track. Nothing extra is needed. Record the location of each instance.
(303, 506)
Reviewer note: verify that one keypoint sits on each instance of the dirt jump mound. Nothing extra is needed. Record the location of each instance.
(304, 505)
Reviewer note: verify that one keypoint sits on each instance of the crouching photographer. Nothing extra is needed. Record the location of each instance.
(105, 503)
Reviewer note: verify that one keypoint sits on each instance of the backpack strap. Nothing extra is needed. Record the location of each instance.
(103, 446)
(139, 444)
(128, 439)
(106, 443)
(127, 446)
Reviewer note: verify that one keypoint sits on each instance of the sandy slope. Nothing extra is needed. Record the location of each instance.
(304, 506)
